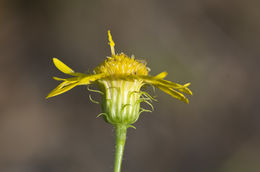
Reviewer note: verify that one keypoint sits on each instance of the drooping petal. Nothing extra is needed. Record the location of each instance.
(161, 82)
(62, 88)
(64, 68)
(72, 82)
(174, 93)
(183, 88)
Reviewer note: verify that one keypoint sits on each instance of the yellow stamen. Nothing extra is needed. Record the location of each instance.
(111, 43)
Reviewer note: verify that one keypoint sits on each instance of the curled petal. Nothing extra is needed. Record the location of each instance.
(185, 89)
(161, 82)
(174, 93)
(62, 88)
(72, 82)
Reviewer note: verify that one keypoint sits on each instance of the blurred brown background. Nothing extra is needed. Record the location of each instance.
(214, 44)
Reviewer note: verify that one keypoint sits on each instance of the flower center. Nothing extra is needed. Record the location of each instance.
(121, 64)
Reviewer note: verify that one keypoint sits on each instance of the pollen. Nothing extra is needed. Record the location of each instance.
(121, 64)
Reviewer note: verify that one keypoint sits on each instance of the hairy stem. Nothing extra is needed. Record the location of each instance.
(120, 144)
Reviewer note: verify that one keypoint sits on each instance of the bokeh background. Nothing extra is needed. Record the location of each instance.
(214, 44)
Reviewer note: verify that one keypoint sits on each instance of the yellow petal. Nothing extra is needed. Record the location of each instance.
(58, 79)
(62, 67)
(161, 75)
(62, 88)
(111, 43)
(161, 82)
(174, 94)
(185, 89)
(70, 83)
(90, 78)
(72, 79)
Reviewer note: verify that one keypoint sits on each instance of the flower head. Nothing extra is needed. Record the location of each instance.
(120, 79)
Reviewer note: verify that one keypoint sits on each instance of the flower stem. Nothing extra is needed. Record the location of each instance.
(120, 144)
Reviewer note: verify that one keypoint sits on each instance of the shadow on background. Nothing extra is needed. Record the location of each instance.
(212, 44)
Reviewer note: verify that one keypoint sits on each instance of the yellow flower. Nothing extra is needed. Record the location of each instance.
(120, 79)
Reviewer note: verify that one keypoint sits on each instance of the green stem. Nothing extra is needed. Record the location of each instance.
(120, 144)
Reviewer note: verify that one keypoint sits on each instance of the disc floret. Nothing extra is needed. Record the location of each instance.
(121, 64)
